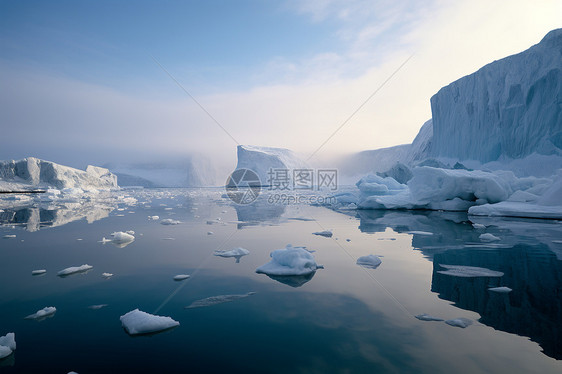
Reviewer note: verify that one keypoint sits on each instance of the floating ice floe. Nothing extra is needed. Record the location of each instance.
(459, 322)
(423, 233)
(169, 221)
(120, 237)
(154, 218)
(168, 238)
(427, 317)
(74, 270)
(43, 313)
(213, 300)
(97, 306)
(38, 272)
(370, 261)
(130, 232)
(137, 322)
(488, 237)
(502, 289)
(8, 236)
(7, 344)
(237, 253)
(325, 233)
(181, 277)
(468, 271)
(478, 226)
(106, 275)
(210, 233)
(290, 261)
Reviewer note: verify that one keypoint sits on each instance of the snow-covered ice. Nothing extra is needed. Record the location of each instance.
(137, 322)
(234, 252)
(370, 261)
(468, 271)
(423, 233)
(106, 275)
(427, 317)
(487, 237)
(74, 270)
(154, 218)
(289, 261)
(502, 289)
(325, 233)
(181, 277)
(38, 272)
(7, 344)
(120, 237)
(213, 300)
(43, 313)
(478, 226)
(9, 236)
(459, 322)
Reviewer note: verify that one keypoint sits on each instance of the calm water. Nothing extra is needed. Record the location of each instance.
(344, 319)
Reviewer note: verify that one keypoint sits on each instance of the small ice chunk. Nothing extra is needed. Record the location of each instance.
(38, 272)
(468, 271)
(130, 232)
(557, 241)
(168, 208)
(43, 313)
(289, 261)
(137, 322)
(427, 317)
(370, 261)
(106, 275)
(169, 221)
(181, 277)
(325, 233)
(459, 322)
(8, 236)
(79, 239)
(74, 270)
(424, 233)
(7, 341)
(478, 226)
(154, 218)
(232, 252)
(488, 237)
(97, 306)
(213, 300)
(210, 233)
(168, 238)
(500, 289)
(104, 240)
(122, 237)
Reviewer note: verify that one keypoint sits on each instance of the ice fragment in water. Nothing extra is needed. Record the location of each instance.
(169, 221)
(74, 270)
(370, 261)
(459, 322)
(38, 272)
(43, 313)
(289, 261)
(137, 322)
(500, 289)
(97, 306)
(468, 271)
(325, 233)
(425, 233)
(106, 275)
(488, 237)
(427, 317)
(7, 344)
(213, 300)
(181, 277)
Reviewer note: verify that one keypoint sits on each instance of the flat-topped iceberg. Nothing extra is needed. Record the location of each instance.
(43, 313)
(289, 261)
(137, 322)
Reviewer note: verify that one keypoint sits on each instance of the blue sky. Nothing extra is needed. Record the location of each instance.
(78, 84)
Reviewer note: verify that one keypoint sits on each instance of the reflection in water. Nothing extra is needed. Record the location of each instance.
(533, 308)
(260, 211)
(292, 280)
(528, 255)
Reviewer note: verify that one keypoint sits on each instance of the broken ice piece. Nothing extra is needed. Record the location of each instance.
(8, 236)
(97, 306)
(423, 233)
(370, 261)
(459, 322)
(154, 218)
(478, 226)
(122, 237)
(181, 277)
(137, 322)
(169, 221)
(38, 272)
(7, 344)
(427, 317)
(325, 233)
(500, 289)
(74, 270)
(210, 233)
(289, 261)
(106, 275)
(43, 313)
(488, 237)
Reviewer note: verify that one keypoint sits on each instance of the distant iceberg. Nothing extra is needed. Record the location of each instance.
(43, 313)
(74, 270)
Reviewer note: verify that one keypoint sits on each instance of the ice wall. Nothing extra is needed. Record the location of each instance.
(511, 107)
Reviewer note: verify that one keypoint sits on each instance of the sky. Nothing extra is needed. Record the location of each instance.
(93, 82)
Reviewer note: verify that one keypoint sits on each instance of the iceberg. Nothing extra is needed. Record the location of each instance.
(106, 275)
(169, 221)
(214, 300)
(263, 159)
(137, 322)
(289, 261)
(32, 173)
(121, 239)
(42, 314)
(370, 261)
(500, 289)
(74, 270)
(7, 344)
(325, 233)
(38, 272)
(488, 237)
(181, 277)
